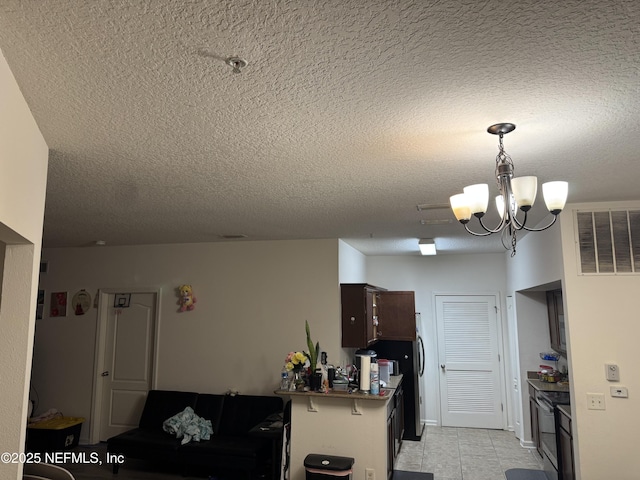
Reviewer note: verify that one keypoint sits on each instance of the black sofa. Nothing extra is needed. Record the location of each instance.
(231, 447)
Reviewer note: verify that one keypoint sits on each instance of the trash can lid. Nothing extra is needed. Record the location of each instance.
(328, 462)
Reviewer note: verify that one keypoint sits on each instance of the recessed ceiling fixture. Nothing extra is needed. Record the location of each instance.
(236, 63)
(432, 206)
(437, 221)
(233, 236)
(515, 192)
(427, 246)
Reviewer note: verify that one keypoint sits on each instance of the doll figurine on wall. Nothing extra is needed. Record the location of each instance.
(187, 299)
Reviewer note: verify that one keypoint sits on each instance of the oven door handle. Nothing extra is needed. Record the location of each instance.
(546, 406)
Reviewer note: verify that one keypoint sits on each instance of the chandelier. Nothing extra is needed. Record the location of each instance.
(515, 193)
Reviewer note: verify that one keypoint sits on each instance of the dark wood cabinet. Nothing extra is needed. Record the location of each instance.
(555, 311)
(371, 313)
(565, 446)
(395, 428)
(399, 426)
(535, 422)
(391, 449)
(397, 316)
(359, 314)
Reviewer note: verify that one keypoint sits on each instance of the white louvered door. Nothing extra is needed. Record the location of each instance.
(469, 361)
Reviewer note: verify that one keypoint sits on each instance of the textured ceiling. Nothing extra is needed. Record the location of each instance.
(349, 114)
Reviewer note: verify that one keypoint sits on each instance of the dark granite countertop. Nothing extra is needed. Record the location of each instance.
(548, 387)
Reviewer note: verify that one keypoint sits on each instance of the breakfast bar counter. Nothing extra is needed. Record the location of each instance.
(341, 424)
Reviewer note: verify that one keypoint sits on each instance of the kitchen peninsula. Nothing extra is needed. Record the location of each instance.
(356, 425)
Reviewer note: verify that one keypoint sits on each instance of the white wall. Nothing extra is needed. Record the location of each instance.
(426, 276)
(23, 173)
(603, 327)
(533, 338)
(537, 266)
(351, 263)
(252, 301)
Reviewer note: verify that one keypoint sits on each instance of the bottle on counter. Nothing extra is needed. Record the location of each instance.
(284, 379)
(375, 379)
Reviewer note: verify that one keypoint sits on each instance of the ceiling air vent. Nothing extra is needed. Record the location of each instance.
(609, 241)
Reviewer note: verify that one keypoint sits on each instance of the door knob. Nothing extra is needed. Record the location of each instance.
(105, 373)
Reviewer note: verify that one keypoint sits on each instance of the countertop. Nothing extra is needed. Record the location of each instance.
(385, 392)
(548, 387)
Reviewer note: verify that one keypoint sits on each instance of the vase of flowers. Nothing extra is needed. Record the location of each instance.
(297, 362)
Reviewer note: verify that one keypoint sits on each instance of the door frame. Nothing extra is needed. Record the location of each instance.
(99, 351)
(502, 371)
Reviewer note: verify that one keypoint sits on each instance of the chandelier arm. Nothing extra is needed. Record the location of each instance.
(516, 223)
(555, 217)
(499, 227)
(484, 234)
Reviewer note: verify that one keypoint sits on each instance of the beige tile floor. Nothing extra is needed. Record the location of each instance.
(466, 454)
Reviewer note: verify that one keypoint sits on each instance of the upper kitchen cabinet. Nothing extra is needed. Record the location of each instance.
(397, 316)
(555, 310)
(360, 314)
(372, 313)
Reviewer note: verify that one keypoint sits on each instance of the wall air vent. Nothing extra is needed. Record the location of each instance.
(609, 241)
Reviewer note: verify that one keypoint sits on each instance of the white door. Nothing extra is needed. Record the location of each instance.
(468, 354)
(128, 362)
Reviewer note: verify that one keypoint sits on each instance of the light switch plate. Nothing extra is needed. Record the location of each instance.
(595, 401)
(612, 372)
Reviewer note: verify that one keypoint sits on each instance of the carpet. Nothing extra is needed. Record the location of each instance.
(525, 474)
(402, 475)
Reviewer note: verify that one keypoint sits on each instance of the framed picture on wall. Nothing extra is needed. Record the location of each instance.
(58, 306)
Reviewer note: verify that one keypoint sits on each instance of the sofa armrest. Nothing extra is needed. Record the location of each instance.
(243, 412)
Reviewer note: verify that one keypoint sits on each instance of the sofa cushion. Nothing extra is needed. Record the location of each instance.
(209, 407)
(227, 446)
(163, 404)
(240, 413)
(142, 440)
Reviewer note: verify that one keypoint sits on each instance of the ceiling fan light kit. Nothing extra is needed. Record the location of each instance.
(515, 193)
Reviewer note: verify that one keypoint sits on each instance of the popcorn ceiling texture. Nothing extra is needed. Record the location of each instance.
(349, 114)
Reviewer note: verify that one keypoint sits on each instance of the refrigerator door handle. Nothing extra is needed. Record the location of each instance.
(421, 358)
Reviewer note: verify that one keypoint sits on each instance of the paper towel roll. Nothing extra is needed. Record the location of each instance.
(365, 374)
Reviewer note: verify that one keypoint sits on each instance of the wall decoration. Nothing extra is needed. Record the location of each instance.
(40, 305)
(81, 302)
(121, 300)
(186, 300)
(58, 306)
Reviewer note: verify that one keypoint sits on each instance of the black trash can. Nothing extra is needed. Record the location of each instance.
(319, 467)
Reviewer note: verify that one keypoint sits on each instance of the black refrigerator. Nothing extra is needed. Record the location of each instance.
(410, 357)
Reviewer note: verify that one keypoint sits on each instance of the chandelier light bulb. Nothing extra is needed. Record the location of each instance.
(524, 191)
(555, 195)
(478, 197)
(460, 206)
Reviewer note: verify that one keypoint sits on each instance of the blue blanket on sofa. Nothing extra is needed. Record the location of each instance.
(188, 426)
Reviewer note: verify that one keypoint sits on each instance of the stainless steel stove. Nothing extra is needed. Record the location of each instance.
(547, 402)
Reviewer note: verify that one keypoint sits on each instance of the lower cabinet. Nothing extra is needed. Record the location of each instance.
(395, 428)
(565, 445)
(535, 423)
